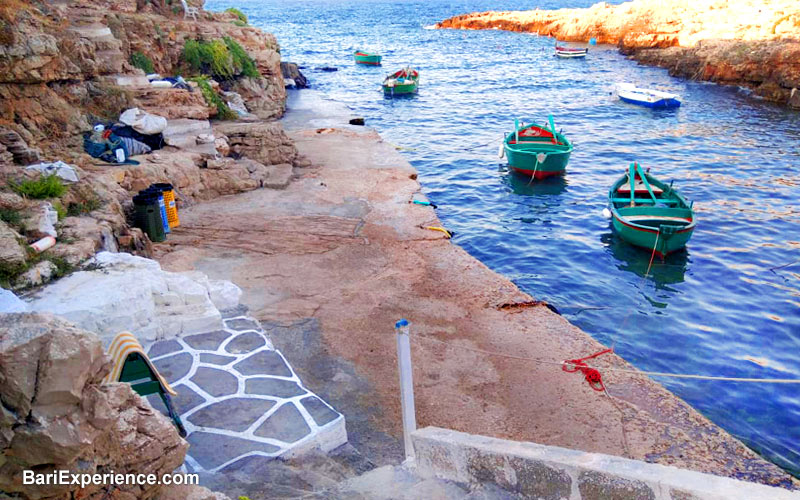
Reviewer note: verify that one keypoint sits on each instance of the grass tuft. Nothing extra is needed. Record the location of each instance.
(141, 61)
(241, 17)
(46, 186)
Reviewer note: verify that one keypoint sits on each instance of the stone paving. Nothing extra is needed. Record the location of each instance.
(238, 397)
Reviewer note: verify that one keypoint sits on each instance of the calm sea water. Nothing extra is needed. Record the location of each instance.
(723, 307)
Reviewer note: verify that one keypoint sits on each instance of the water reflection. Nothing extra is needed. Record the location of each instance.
(522, 185)
(635, 260)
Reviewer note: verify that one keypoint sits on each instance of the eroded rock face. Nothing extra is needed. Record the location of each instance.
(57, 415)
(265, 142)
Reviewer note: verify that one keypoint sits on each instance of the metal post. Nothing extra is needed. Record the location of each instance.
(406, 385)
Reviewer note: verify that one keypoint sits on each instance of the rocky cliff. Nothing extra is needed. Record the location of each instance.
(67, 65)
(755, 43)
(56, 415)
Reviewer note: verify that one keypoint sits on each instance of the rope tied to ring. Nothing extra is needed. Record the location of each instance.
(592, 375)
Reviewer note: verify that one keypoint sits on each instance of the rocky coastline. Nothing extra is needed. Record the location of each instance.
(753, 44)
(311, 229)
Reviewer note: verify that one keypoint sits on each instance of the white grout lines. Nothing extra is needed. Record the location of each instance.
(208, 399)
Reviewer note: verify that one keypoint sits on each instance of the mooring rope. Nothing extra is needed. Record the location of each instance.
(570, 364)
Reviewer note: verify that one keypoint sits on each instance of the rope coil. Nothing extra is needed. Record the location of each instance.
(592, 375)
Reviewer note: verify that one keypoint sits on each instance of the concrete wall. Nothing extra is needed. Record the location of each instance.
(548, 472)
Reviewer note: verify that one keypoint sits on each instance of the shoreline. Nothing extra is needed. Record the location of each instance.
(332, 261)
(733, 45)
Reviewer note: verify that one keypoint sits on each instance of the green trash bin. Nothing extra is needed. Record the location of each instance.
(147, 216)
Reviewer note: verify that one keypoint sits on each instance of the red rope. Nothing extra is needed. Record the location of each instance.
(592, 375)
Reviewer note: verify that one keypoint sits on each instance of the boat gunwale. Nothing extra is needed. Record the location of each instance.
(649, 229)
(557, 135)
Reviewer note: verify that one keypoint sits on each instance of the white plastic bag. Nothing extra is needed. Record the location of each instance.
(143, 122)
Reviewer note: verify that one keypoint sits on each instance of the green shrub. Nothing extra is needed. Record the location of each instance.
(241, 60)
(238, 13)
(222, 59)
(60, 210)
(83, 207)
(211, 97)
(46, 186)
(141, 61)
(11, 217)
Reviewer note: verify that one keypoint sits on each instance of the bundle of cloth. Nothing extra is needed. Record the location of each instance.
(137, 132)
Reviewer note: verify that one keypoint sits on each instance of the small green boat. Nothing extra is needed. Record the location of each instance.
(362, 57)
(649, 213)
(405, 81)
(536, 151)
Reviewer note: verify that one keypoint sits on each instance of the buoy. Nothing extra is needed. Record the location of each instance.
(593, 41)
(502, 151)
(606, 213)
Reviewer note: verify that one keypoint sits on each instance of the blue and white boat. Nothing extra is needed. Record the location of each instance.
(647, 97)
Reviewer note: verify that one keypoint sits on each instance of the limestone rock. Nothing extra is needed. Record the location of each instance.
(14, 144)
(265, 142)
(41, 273)
(12, 254)
(290, 71)
(279, 176)
(224, 294)
(42, 222)
(261, 96)
(10, 303)
(158, 304)
(173, 103)
(57, 415)
(794, 98)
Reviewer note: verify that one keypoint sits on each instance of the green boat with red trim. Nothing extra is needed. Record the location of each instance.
(649, 213)
(362, 57)
(404, 81)
(536, 150)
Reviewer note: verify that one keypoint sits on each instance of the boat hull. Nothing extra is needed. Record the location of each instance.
(660, 104)
(410, 88)
(525, 163)
(368, 59)
(571, 54)
(651, 239)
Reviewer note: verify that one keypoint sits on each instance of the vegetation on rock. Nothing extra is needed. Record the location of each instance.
(141, 61)
(46, 186)
(11, 217)
(241, 17)
(223, 59)
(80, 208)
(213, 99)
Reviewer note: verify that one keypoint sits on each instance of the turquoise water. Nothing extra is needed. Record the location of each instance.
(707, 310)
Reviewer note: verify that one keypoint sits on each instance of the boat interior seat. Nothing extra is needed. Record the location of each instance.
(638, 189)
(644, 200)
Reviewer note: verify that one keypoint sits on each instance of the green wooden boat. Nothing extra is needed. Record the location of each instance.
(649, 213)
(404, 81)
(362, 57)
(536, 151)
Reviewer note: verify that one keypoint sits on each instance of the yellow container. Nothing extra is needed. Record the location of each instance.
(169, 201)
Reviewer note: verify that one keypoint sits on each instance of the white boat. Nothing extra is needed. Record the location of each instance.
(647, 97)
(570, 52)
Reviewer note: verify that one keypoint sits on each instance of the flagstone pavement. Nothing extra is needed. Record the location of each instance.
(239, 398)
